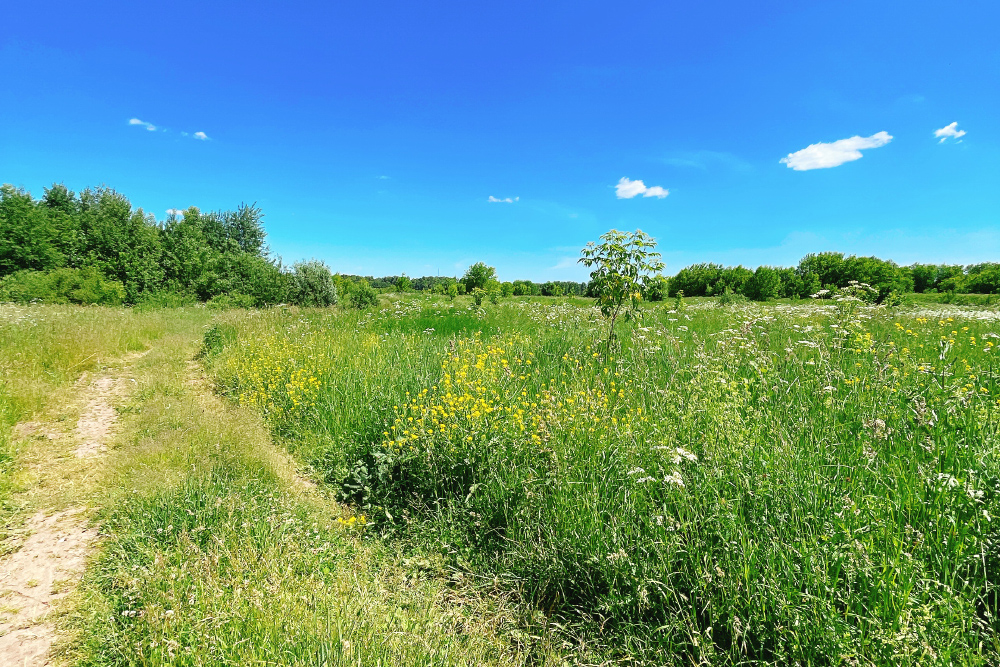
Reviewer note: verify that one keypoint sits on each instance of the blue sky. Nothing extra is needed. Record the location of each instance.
(374, 135)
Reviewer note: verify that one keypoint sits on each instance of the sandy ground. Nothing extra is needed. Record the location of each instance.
(53, 556)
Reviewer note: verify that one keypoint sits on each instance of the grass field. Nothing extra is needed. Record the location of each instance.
(792, 484)
(783, 484)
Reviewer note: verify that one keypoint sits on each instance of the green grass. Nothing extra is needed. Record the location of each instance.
(744, 485)
(215, 552)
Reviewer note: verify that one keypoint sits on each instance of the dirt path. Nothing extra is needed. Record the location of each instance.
(54, 552)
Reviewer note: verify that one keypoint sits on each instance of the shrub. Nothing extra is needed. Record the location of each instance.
(658, 288)
(478, 294)
(233, 300)
(312, 284)
(507, 289)
(363, 296)
(730, 298)
(82, 286)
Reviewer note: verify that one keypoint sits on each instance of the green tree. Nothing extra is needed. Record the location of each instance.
(403, 284)
(27, 236)
(624, 264)
(478, 275)
(764, 285)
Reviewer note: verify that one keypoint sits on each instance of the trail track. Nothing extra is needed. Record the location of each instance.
(53, 555)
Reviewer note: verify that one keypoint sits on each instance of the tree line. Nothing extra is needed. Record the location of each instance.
(94, 247)
(832, 271)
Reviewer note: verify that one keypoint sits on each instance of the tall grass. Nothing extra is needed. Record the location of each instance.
(790, 484)
(43, 349)
(214, 551)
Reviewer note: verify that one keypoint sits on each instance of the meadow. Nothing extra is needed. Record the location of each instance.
(796, 483)
(432, 482)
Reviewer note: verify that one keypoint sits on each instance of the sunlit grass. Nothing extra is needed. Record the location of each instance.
(794, 483)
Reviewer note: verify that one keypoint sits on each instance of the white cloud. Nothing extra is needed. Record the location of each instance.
(201, 135)
(565, 263)
(627, 189)
(949, 131)
(142, 123)
(823, 156)
(382, 178)
(175, 211)
(506, 200)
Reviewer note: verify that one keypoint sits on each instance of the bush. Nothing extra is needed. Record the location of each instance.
(658, 288)
(478, 294)
(312, 284)
(363, 296)
(228, 301)
(82, 286)
(730, 298)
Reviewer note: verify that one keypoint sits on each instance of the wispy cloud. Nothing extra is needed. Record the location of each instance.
(142, 123)
(383, 178)
(175, 211)
(705, 159)
(505, 200)
(627, 189)
(949, 131)
(834, 154)
(565, 263)
(201, 136)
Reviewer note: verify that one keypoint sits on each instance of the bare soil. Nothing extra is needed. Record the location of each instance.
(53, 555)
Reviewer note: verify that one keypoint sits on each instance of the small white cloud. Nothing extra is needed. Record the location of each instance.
(200, 135)
(627, 189)
(175, 211)
(142, 123)
(505, 200)
(823, 156)
(382, 178)
(950, 131)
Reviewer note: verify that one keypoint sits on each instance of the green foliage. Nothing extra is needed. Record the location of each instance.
(403, 284)
(507, 289)
(478, 294)
(231, 300)
(552, 289)
(452, 290)
(523, 288)
(363, 296)
(658, 288)
(696, 280)
(27, 235)
(764, 285)
(982, 279)
(730, 298)
(81, 286)
(312, 284)
(479, 276)
(624, 264)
